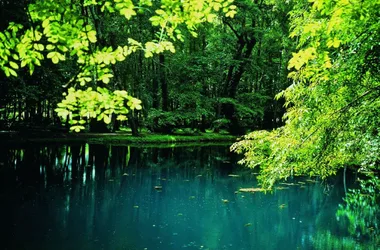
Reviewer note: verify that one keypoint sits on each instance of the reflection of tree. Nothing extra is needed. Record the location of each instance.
(361, 211)
(358, 217)
(102, 196)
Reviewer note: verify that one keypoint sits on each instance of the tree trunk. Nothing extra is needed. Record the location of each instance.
(246, 43)
(133, 123)
(164, 84)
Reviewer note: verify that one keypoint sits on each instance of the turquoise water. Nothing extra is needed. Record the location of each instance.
(103, 197)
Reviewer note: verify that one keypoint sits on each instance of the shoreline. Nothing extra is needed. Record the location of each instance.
(119, 138)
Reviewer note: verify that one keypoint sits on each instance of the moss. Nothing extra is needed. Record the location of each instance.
(120, 138)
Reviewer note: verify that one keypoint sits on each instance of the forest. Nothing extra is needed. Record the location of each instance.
(292, 85)
(300, 77)
(223, 75)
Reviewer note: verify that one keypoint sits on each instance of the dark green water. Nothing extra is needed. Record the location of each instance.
(103, 197)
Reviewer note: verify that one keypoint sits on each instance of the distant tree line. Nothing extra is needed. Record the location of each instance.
(225, 78)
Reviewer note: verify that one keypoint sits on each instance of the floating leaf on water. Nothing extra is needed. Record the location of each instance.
(135, 206)
(282, 206)
(180, 214)
(225, 200)
(311, 181)
(158, 187)
(234, 175)
(192, 197)
(125, 174)
(281, 188)
(248, 225)
(289, 184)
(252, 190)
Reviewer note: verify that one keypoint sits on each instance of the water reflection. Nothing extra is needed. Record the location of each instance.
(110, 197)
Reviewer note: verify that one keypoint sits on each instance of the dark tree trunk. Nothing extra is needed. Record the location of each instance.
(155, 94)
(98, 126)
(246, 43)
(133, 123)
(164, 84)
(164, 91)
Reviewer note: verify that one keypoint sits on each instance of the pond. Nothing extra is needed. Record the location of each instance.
(123, 197)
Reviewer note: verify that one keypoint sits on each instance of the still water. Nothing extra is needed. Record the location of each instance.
(120, 197)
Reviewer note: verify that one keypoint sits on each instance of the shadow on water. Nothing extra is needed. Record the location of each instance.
(119, 197)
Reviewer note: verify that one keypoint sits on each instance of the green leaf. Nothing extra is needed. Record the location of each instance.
(128, 13)
(92, 36)
(13, 65)
(6, 71)
(12, 72)
(55, 59)
(107, 119)
(50, 47)
(2, 37)
(51, 54)
(39, 47)
(45, 23)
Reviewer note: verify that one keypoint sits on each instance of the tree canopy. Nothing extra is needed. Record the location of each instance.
(107, 56)
(61, 30)
(332, 118)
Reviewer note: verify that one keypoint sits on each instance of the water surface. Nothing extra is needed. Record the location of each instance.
(108, 197)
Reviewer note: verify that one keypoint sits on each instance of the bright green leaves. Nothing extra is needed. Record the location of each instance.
(333, 42)
(13, 65)
(302, 57)
(91, 35)
(56, 57)
(134, 103)
(330, 118)
(127, 13)
(156, 48)
(80, 106)
(61, 31)
(8, 71)
(126, 8)
(8, 43)
(39, 47)
(65, 31)
(190, 13)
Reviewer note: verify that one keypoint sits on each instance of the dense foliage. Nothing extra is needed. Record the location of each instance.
(114, 61)
(332, 118)
(61, 30)
(229, 63)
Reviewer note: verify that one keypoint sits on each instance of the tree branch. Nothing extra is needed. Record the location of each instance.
(238, 36)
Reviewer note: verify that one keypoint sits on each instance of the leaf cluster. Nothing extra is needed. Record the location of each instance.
(332, 116)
